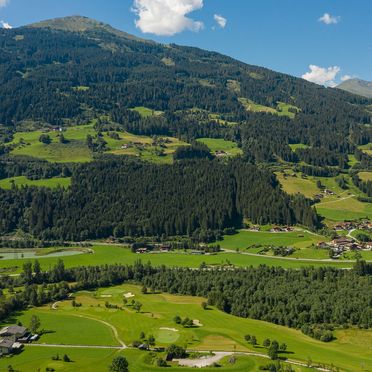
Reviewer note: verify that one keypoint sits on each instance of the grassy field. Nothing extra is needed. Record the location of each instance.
(143, 147)
(295, 146)
(295, 185)
(367, 148)
(365, 176)
(231, 148)
(145, 112)
(75, 150)
(98, 360)
(298, 239)
(339, 207)
(283, 109)
(254, 107)
(104, 254)
(23, 181)
(349, 351)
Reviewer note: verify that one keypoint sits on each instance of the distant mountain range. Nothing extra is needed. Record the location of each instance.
(357, 86)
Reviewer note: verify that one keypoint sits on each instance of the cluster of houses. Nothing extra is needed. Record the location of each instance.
(220, 153)
(344, 244)
(351, 225)
(278, 229)
(130, 145)
(12, 339)
(149, 248)
(326, 192)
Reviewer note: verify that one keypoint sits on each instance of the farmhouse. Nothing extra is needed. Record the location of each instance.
(328, 192)
(342, 241)
(368, 245)
(12, 339)
(13, 332)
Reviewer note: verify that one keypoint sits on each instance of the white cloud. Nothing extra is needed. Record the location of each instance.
(5, 25)
(346, 77)
(329, 19)
(322, 75)
(166, 17)
(221, 21)
(3, 3)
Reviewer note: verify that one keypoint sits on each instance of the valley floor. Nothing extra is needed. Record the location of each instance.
(91, 335)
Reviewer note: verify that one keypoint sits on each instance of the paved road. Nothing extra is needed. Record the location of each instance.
(77, 346)
(290, 258)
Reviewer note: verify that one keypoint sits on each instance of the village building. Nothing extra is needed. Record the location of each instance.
(12, 339)
(13, 332)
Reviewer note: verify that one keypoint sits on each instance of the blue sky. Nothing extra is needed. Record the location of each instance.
(333, 36)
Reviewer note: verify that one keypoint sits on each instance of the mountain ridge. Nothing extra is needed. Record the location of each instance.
(357, 86)
(81, 24)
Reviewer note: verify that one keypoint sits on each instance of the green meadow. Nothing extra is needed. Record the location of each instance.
(146, 112)
(52, 183)
(143, 147)
(344, 205)
(112, 254)
(73, 151)
(367, 148)
(98, 360)
(244, 239)
(76, 150)
(94, 324)
(365, 176)
(231, 148)
(282, 109)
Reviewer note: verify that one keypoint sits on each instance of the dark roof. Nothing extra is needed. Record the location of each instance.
(13, 330)
(6, 342)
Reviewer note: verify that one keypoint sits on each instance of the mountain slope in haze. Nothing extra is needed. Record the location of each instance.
(71, 70)
(357, 86)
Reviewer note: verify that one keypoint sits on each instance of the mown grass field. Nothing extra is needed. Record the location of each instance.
(104, 254)
(75, 150)
(349, 351)
(52, 183)
(231, 148)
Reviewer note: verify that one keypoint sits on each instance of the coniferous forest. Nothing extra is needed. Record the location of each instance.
(123, 197)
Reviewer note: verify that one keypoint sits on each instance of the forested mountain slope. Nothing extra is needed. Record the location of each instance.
(66, 71)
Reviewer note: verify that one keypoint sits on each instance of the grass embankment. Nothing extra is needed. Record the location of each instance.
(218, 331)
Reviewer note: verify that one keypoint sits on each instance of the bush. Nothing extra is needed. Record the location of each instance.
(161, 363)
(174, 351)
